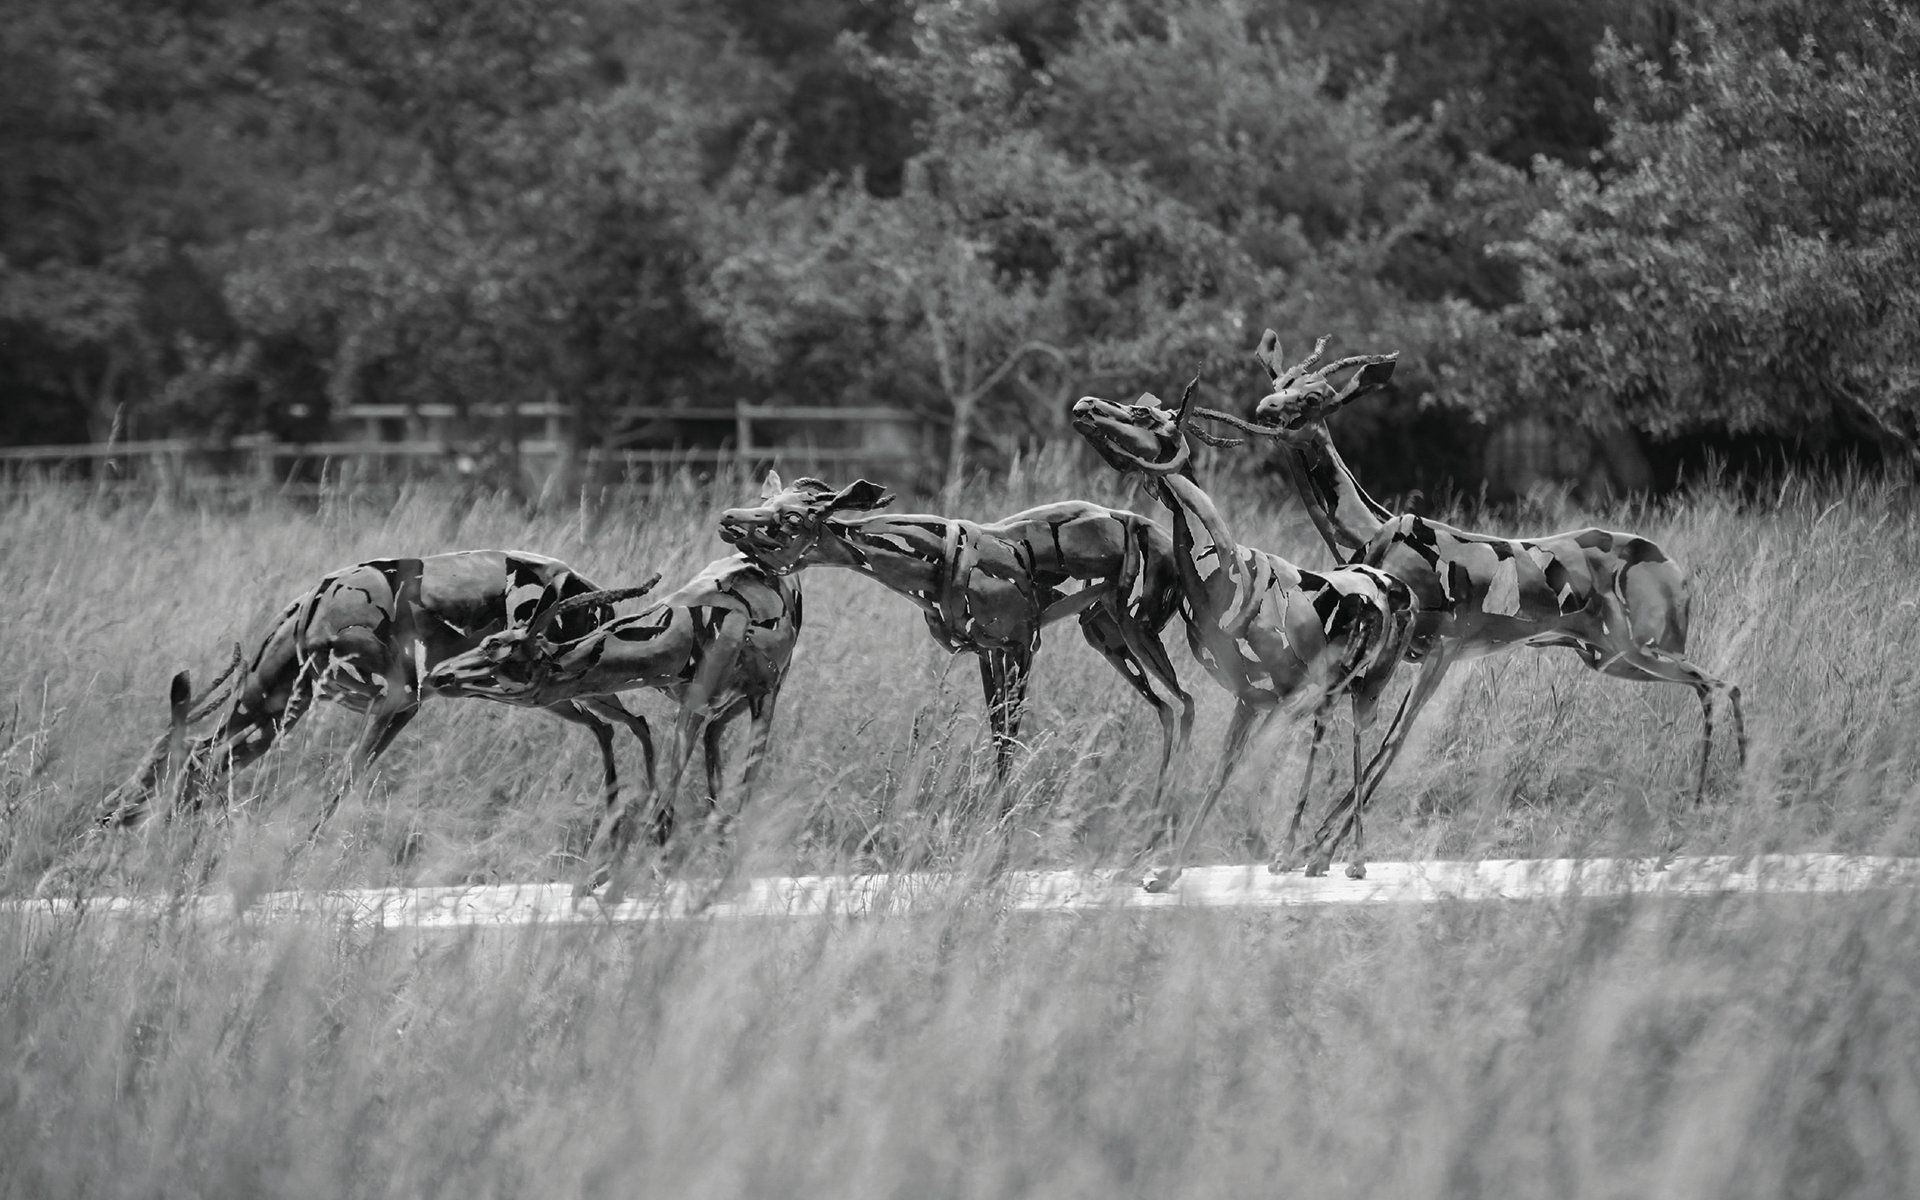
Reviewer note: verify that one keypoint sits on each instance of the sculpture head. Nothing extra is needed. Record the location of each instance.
(1303, 394)
(1146, 436)
(517, 660)
(780, 532)
(174, 762)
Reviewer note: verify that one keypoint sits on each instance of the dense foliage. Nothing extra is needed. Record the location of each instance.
(1746, 260)
(1672, 215)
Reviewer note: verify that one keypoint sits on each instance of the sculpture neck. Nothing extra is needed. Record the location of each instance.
(1201, 541)
(1339, 507)
(903, 554)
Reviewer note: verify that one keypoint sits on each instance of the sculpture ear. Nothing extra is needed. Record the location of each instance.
(180, 696)
(772, 487)
(527, 612)
(1370, 378)
(179, 706)
(860, 496)
(1268, 352)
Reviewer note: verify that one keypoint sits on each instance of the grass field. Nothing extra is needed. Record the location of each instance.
(1727, 1047)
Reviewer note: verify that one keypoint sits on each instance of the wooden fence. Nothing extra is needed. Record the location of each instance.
(411, 441)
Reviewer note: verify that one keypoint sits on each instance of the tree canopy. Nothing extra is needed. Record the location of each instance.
(1665, 215)
(1745, 258)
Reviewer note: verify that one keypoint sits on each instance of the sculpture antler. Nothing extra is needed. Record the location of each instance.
(208, 701)
(1213, 439)
(1319, 347)
(587, 599)
(1187, 410)
(1186, 399)
(1245, 426)
(1359, 360)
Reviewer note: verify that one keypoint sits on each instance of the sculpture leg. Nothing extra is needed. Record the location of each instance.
(602, 737)
(1283, 862)
(384, 723)
(1240, 729)
(760, 710)
(1653, 665)
(1337, 821)
(689, 728)
(1003, 681)
(610, 709)
(1143, 663)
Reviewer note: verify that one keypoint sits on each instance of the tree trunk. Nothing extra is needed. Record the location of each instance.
(102, 401)
(567, 482)
(963, 407)
(1628, 468)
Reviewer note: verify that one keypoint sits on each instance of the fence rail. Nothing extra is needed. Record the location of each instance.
(747, 444)
(93, 450)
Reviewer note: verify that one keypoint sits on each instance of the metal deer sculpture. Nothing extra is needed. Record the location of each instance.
(1266, 630)
(364, 638)
(989, 589)
(719, 646)
(1615, 599)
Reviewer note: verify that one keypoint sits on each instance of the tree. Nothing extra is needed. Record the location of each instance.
(840, 292)
(959, 293)
(106, 184)
(1744, 262)
(501, 211)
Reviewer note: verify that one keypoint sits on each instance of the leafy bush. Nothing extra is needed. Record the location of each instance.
(1743, 261)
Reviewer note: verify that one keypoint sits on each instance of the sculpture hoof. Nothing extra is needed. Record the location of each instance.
(1161, 880)
(1356, 870)
(1317, 868)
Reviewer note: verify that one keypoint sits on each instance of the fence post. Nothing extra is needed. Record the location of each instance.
(742, 437)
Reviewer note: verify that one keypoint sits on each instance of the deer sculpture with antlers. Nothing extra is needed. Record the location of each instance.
(365, 637)
(1615, 599)
(989, 589)
(1267, 631)
(719, 646)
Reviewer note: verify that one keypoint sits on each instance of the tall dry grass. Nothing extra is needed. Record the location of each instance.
(1673, 1047)
(879, 756)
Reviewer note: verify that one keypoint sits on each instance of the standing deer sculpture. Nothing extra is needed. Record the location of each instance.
(1267, 631)
(989, 589)
(364, 637)
(1615, 599)
(719, 646)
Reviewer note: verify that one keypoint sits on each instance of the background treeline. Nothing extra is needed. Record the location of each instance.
(1666, 223)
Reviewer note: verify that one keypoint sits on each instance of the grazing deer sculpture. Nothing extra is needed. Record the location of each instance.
(364, 638)
(1615, 599)
(989, 589)
(719, 646)
(1266, 630)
